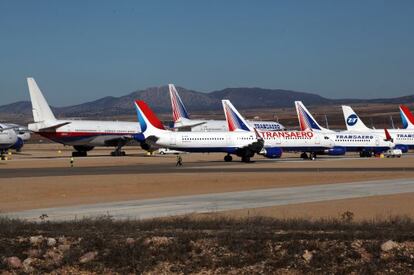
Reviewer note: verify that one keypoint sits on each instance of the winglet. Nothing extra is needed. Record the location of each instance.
(387, 135)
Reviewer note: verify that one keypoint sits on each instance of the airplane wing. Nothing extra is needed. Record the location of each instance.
(255, 146)
(54, 127)
(188, 126)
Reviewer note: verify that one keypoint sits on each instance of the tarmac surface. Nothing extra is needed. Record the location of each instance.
(167, 168)
(180, 205)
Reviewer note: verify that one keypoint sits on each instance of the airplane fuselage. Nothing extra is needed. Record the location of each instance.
(88, 132)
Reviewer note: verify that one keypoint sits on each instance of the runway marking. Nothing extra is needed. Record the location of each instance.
(180, 205)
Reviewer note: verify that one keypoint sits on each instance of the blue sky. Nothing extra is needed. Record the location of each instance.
(83, 50)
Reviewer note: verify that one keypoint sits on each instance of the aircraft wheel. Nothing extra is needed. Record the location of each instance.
(245, 159)
(228, 158)
(312, 156)
(304, 156)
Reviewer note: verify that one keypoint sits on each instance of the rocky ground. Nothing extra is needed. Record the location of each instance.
(208, 245)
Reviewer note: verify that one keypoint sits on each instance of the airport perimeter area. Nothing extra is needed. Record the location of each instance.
(39, 181)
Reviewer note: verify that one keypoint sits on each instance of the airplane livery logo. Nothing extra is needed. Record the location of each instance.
(352, 120)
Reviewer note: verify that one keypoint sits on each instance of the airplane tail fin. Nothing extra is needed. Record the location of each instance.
(40, 108)
(352, 120)
(235, 121)
(406, 117)
(149, 122)
(306, 120)
(178, 108)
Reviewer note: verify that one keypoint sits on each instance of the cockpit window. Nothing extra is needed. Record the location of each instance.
(326, 137)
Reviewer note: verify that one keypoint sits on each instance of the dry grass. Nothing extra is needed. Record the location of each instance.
(218, 245)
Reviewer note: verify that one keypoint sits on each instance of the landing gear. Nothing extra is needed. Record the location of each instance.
(311, 156)
(118, 153)
(118, 150)
(228, 158)
(365, 154)
(245, 159)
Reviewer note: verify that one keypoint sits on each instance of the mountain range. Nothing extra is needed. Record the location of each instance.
(158, 99)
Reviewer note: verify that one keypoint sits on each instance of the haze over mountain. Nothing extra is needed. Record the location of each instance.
(158, 99)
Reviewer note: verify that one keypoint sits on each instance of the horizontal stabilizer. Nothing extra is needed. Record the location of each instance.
(188, 126)
(54, 127)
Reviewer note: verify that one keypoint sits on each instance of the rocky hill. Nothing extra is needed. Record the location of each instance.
(158, 99)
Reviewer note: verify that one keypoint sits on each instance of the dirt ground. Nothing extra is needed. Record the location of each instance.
(21, 193)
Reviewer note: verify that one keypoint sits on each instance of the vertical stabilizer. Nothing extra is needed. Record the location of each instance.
(149, 122)
(406, 117)
(306, 120)
(40, 108)
(352, 120)
(234, 120)
(178, 108)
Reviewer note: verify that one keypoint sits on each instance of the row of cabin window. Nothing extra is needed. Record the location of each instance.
(203, 138)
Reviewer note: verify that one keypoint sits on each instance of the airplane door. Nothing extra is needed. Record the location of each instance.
(377, 142)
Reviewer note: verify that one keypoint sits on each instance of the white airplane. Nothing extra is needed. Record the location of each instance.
(8, 138)
(406, 117)
(275, 142)
(23, 135)
(182, 119)
(83, 135)
(403, 138)
(365, 142)
(243, 144)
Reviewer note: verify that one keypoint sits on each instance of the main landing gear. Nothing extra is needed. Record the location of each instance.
(228, 158)
(81, 151)
(312, 156)
(365, 154)
(118, 152)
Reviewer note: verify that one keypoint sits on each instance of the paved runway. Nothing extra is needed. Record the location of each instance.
(212, 167)
(150, 208)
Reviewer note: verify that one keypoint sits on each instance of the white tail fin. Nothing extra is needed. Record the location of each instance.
(352, 120)
(235, 121)
(306, 120)
(178, 108)
(40, 108)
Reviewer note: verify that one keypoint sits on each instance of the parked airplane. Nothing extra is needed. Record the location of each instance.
(154, 135)
(23, 135)
(402, 138)
(365, 142)
(275, 142)
(8, 138)
(406, 117)
(182, 120)
(83, 135)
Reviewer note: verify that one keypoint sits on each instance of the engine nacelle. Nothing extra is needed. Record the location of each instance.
(402, 147)
(18, 145)
(272, 153)
(336, 151)
(82, 148)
